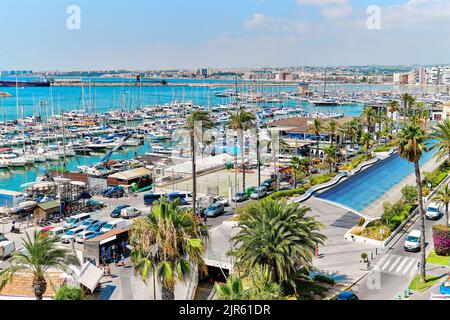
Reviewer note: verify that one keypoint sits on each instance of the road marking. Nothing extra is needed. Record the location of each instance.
(388, 262)
(408, 266)
(395, 263)
(414, 269)
(402, 264)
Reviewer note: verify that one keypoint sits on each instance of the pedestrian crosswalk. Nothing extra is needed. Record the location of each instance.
(398, 265)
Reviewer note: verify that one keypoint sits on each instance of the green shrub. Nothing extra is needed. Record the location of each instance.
(382, 149)
(321, 178)
(409, 194)
(324, 279)
(69, 293)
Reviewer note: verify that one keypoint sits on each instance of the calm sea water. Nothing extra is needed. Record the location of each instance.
(48, 101)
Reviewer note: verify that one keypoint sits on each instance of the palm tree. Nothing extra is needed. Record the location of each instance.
(443, 197)
(369, 115)
(316, 128)
(40, 254)
(262, 286)
(411, 144)
(279, 235)
(167, 242)
(242, 121)
(440, 139)
(332, 130)
(366, 141)
(195, 119)
(393, 106)
(330, 156)
(233, 289)
(297, 168)
(408, 102)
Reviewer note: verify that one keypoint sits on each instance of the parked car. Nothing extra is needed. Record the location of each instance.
(347, 295)
(129, 213)
(6, 248)
(57, 232)
(115, 224)
(259, 193)
(45, 231)
(87, 223)
(434, 211)
(116, 212)
(215, 210)
(94, 235)
(114, 192)
(412, 241)
(445, 287)
(96, 226)
(79, 238)
(240, 197)
(221, 200)
(270, 184)
(71, 234)
(75, 221)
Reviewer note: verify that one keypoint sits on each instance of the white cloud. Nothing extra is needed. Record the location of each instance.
(336, 11)
(330, 9)
(321, 2)
(259, 21)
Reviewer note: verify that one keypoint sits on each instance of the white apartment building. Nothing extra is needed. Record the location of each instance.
(439, 75)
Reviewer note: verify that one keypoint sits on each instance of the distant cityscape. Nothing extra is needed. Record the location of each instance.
(401, 75)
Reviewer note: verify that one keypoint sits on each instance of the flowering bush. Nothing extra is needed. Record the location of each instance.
(441, 239)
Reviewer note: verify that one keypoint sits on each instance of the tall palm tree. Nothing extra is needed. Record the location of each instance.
(167, 242)
(279, 235)
(242, 121)
(40, 255)
(411, 144)
(440, 139)
(296, 165)
(366, 141)
(393, 106)
(443, 197)
(233, 289)
(408, 102)
(369, 115)
(316, 128)
(195, 119)
(332, 128)
(331, 156)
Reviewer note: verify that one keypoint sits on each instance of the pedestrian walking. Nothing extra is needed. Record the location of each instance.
(122, 260)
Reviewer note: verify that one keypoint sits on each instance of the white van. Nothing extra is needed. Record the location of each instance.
(434, 211)
(71, 234)
(6, 248)
(412, 241)
(57, 232)
(75, 221)
(114, 224)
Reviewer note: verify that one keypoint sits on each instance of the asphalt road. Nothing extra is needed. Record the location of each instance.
(393, 270)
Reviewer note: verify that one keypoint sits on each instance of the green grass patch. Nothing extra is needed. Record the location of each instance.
(435, 259)
(382, 149)
(321, 178)
(416, 285)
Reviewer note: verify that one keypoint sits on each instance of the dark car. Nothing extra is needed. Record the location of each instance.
(269, 184)
(116, 212)
(215, 210)
(347, 295)
(96, 226)
(239, 197)
(114, 192)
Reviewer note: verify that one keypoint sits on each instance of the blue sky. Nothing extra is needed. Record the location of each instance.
(162, 34)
